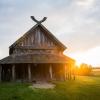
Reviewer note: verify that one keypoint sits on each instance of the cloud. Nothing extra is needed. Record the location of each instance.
(81, 28)
(74, 22)
(85, 3)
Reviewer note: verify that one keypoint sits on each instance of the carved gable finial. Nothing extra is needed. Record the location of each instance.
(38, 22)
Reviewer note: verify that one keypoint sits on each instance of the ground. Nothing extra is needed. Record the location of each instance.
(83, 88)
(43, 85)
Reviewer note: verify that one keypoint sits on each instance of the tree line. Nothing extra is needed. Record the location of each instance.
(83, 69)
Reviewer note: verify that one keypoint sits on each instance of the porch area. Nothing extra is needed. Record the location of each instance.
(34, 72)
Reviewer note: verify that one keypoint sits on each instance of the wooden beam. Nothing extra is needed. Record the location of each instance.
(70, 74)
(65, 74)
(50, 71)
(29, 72)
(13, 72)
(68, 71)
(0, 72)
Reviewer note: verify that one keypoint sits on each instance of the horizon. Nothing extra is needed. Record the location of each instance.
(74, 22)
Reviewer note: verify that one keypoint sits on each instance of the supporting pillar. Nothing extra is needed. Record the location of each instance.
(70, 74)
(29, 72)
(50, 71)
(13, 72)
(74, 76)
(65, 76)
(68, 71)
(73, 69)
(0, 72)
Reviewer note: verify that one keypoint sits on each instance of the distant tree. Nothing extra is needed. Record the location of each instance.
(84, 69)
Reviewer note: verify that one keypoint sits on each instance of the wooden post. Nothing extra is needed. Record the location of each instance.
(74, 74)
(0, 72)
(50, 71)
(29, 72)
(73, 71)
(70, 73)
(13, 72)
(65, 72)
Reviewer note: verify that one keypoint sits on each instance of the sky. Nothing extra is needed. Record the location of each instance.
(76, 23)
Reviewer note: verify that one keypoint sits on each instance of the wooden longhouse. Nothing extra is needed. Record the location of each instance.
(36, 56)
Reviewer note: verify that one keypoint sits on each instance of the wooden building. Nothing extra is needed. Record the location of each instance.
(36, 56)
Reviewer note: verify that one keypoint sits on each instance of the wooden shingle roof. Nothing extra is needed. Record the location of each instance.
(36, 58)
(50, 35)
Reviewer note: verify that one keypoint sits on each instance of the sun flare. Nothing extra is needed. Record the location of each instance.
(91, 57)
(78, 63)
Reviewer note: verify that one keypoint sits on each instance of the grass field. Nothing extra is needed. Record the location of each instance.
(83, 88)
(96, 72)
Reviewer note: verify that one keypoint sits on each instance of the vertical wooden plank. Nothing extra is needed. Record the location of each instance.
(42, 38)
(13, 72)
(36, 37)
(39, 38)
(50, 71)
(29, 72)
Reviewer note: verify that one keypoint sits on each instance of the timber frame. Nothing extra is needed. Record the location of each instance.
(36, 56)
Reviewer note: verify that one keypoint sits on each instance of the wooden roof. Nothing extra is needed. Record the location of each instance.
(51, 36)
(36, 58)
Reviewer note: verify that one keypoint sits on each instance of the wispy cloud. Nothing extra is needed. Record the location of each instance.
(85, 3)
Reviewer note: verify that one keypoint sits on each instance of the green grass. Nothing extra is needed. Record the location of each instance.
(83, 88)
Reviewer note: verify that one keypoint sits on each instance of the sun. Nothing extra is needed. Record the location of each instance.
(78, 63)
